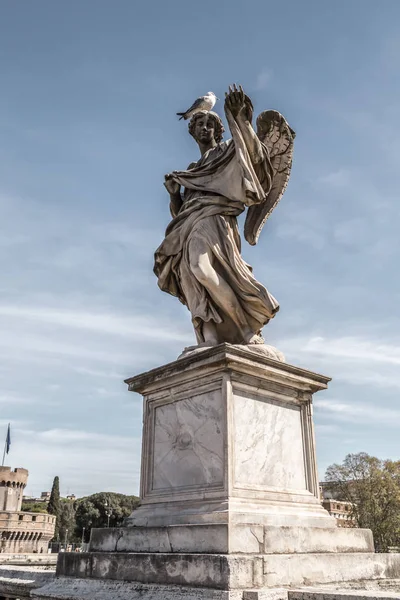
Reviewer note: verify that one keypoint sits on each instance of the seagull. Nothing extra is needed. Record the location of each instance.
(203, 103)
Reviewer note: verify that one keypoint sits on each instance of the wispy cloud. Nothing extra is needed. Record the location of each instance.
(142, 326)
(264, 79)
(357, 349)
(359, 413)
(338, 179)
(305, 225)
(79, 458)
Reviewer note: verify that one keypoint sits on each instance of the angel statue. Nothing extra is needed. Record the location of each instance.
(199, 260)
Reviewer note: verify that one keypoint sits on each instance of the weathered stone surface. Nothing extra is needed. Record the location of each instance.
(311, 569)
(84, 589)
(292, 540)
(17, 582)
(177, 538)
(277, 594)
(203, 570)
(232, 571)
(231, 538)
(341, 595)
(28, 559)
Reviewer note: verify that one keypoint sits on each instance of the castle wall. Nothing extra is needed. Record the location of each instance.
(22, 532)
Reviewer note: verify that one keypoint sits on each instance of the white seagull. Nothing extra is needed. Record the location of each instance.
(206, 102)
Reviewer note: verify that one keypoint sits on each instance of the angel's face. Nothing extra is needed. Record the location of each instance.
(204, 129)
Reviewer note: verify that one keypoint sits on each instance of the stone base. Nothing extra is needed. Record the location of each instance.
(229, 572)
(83, 589)
(132, 576)
(230, 505)
(95, 589)
(231, 539)
(228, 438)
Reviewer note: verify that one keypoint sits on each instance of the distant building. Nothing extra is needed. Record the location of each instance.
(336, 507)
(341, 511)
(21, 532)
(44, 499)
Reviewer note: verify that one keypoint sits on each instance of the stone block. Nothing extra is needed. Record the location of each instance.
(229, 572)
(312, 569)
(198, 570)
(231, 539)
(293, 540)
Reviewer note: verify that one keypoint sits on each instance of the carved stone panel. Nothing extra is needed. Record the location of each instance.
(189, 443)
(268, 444)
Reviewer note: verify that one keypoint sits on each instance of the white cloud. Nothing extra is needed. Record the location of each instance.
(346, 348)
(359, 413)
(80, 458)
(264, 79)
(338, 179)
(303, 224)
(141, 326)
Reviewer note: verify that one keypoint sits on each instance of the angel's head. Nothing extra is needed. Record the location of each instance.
(206, 126)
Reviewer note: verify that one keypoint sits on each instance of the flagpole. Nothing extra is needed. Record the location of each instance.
(6, 445)
(4, 453)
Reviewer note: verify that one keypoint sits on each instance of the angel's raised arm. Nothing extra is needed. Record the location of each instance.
(241, 108)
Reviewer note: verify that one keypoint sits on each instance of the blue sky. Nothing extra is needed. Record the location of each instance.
(89, 92)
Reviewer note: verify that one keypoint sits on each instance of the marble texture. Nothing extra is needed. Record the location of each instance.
(188, 442)
(268, 444)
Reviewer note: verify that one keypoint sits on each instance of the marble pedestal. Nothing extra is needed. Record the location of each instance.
(229, 491)
(228, 438)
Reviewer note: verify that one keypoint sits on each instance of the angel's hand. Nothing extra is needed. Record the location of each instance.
(172, 186)
(235, 101)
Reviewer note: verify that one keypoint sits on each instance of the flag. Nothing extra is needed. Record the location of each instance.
(8, 439)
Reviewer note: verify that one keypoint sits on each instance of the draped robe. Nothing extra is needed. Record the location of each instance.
(217, 189)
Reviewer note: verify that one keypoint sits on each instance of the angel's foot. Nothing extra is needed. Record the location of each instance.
(209, 334)
(256, 339)
(253, 338)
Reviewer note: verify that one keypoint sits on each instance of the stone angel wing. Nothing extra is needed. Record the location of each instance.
(274, 131)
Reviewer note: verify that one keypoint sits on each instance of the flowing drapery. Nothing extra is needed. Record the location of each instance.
(222, 183)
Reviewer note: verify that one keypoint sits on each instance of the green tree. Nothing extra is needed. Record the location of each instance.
(66, 521)
(92, 511)
(373, 487)
(53, 507)
(37, 507)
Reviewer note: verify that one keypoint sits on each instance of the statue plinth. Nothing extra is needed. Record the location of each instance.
(228, 438)
(229, 490)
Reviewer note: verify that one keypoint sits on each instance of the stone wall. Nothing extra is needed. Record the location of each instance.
(22, 532)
